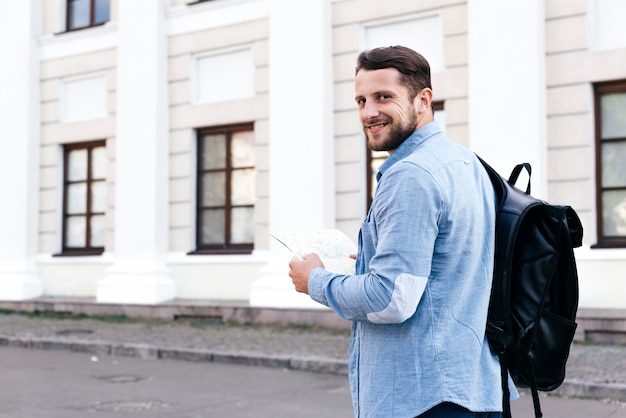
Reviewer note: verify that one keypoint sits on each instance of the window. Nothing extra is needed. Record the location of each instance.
(376, 158)
(85, 198)
(610, 113)
(226, 191)
(86, 13)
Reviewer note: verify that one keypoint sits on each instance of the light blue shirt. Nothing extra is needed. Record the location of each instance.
(420, 297)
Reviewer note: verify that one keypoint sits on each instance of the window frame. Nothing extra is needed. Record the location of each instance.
(227, 247)
(87, 249)
(91, 24)
(600, 89)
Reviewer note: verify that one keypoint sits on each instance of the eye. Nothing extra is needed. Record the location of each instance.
(384, 97)
(360, 101)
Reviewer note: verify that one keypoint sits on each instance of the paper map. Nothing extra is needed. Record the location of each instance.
(333, 246)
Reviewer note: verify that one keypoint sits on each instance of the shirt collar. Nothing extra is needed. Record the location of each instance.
(409, 145)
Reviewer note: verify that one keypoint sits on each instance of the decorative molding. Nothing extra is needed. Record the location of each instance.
(66, 44)
(185, 19)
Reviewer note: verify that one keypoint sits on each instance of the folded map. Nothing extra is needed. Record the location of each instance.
(333, 246)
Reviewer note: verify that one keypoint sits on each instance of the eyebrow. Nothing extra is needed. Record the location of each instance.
(377, 93)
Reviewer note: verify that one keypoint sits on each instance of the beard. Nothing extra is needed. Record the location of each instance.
(397, 135)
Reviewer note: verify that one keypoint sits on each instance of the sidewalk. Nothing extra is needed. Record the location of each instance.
(594, 371)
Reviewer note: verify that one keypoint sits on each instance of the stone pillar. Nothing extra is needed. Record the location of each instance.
(139, 273)
(301, 174)
(20, 23)
(507, 85)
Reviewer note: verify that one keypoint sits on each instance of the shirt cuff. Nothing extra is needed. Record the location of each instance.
(316, 287)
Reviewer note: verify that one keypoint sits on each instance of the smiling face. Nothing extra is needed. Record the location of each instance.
(387, 113)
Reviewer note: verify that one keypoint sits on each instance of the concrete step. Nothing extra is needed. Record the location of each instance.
(238, 312)
(603, 326)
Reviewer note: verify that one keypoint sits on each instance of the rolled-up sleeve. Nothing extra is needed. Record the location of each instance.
(398, 241)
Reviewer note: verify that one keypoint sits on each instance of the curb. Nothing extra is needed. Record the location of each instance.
(601, 391)
(569, 388)
(150, 352)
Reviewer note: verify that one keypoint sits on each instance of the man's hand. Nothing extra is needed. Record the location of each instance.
(299, 270)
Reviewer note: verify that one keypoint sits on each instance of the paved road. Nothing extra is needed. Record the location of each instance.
(63, 384)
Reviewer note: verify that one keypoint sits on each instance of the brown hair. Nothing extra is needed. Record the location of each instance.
(413, 67)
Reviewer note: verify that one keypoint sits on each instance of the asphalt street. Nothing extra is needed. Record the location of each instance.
(65, 384)
(61, 384)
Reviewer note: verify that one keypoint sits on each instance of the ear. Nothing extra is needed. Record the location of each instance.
(423, 100)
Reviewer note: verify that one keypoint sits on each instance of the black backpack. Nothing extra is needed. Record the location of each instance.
(534, 296)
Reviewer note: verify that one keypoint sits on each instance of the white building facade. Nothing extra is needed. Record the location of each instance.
(149, 147)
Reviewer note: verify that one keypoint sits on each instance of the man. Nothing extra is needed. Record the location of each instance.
(425, 260)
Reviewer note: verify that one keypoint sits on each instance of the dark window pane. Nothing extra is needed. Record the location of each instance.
(77, 165)
(75, 232)
(243, 187)
(97, 231)
(614, 164)
(78, 13)
(242, 149)
(214, 152)
(242, 226)
(98, 196)
(99, 163)
(77, 198)
(101, 11)
(214, 189)
(614, 213)
(212, 229)
(613, 108)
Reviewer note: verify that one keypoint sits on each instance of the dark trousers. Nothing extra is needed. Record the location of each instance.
(450, 410)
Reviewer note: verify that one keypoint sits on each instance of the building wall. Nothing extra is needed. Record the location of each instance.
(350, 20)
(187, 116)
(66, 57)
(573, 62)
(87, 52)
(213, 276)
(55, 133)
(566, 167)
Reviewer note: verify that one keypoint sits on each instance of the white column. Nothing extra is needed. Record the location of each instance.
(19, 149)
(139, 273)
(507, 86)
(301, 175)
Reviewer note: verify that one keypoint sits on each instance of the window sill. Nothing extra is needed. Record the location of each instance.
(97, 25)
(609, 245)
(64, 44)
(222, 251)
(80, 253)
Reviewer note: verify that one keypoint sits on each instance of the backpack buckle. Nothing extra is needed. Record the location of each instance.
(497, 334)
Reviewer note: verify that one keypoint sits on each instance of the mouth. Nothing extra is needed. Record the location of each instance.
(376, 127)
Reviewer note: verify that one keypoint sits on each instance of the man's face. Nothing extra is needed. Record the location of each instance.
(387, 114)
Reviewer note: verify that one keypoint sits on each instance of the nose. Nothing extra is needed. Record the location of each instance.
(369, 110)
